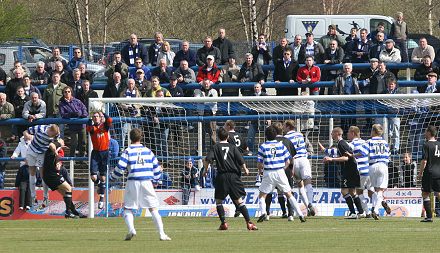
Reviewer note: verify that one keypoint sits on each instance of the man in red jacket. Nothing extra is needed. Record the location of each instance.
(209, 71)
(308, 75)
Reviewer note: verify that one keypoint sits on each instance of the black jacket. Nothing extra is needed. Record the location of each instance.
(110, 90)
(226, 49)
(203, 52)
(378, 82)
(283, 74)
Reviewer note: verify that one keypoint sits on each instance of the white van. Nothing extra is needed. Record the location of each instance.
(318, 24)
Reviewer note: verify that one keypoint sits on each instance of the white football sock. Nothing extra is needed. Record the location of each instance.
(32, 185)
(303, 196)
(379, 201)
(309, 189)
(129, 220)
(45, 190)
(158, 222)
(295, 205)
(262, 205)
(364, 204)
(374, 201)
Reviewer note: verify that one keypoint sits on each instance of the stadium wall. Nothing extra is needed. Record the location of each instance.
(405, 202)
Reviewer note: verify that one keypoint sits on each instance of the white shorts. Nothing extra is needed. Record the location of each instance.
(379, 175)
(140, 194)
(302, 169)
(272, 179)
(34, 159)
(365, 183)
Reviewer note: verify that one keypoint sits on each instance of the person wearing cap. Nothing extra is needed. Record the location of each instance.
(364, 75)
(138, 64)
(190, 179)
(311, 48)
(208, 49)
(250, 71)
(390, 54)
(423, 70)
(399, 33)
(224, 45)
(175, 90)
(432, 83)
(208, 70)
(228, 74)
(331, 35)
(142, 83)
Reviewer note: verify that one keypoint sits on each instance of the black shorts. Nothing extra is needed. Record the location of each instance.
(430, 184)
(350, 179)
(99, 162)
(229, 184)
(53, 180)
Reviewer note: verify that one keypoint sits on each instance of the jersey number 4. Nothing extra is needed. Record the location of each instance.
(437, 151)
(226, 149)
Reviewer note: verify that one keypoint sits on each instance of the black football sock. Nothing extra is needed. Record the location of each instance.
(358, 203)
(221, 213)
(268, 202)
(243, 210)
(237, 207)
(282, 202)
(101, 188)
(68, 202)
(427, 206)
(349, 201)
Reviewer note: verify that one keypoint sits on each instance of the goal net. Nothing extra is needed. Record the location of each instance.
(179, 130)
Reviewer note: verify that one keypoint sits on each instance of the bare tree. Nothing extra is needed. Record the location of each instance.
(89, 40)
(253, 20)
(243, 19)
(79, 25)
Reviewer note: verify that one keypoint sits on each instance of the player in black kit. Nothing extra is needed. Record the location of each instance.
(430, 170)
(229, 164)
(235, 138)
(56, 182)
(349, 173)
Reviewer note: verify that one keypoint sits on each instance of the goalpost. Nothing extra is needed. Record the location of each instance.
(177, 129)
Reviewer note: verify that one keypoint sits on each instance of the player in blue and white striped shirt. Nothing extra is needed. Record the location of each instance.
(302, 171)
(43, 136)
(142, 167)
(360, 151)
(379, 157)
(273, 158)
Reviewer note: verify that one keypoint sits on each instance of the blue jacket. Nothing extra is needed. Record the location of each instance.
(189, 56)
(73, 63)
(73, 109)
(132, 72)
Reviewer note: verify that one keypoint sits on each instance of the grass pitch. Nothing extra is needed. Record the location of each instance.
(318, 234)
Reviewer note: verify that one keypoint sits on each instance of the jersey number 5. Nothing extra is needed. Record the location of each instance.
(226, 149)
